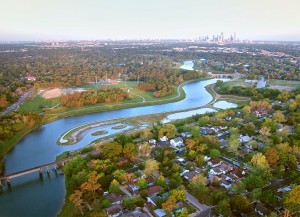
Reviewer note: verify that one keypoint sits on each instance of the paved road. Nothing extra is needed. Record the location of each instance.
(18, 103)
(193, 200)
(122, 188)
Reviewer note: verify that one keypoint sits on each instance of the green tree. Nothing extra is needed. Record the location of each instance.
(215, 153)
(223, 208)
(240, 204)
(128, 203)
(112, 150)
(160, 180)
(141, 183)
(114, 186)
(234, 140)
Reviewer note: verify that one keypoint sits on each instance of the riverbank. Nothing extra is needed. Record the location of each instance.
(10, 144)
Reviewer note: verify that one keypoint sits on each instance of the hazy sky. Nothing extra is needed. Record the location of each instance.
(133, 19)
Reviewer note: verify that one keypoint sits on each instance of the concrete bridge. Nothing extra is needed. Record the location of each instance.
(7, 178)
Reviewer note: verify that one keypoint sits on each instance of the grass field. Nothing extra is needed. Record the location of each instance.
(290, 84)
(121, 84)
(36, 102)
(238, 82)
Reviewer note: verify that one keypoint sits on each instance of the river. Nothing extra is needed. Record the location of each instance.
(31, 196)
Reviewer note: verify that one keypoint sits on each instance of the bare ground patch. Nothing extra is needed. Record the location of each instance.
(53, 93)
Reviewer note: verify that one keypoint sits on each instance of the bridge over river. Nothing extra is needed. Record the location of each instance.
(7, 178)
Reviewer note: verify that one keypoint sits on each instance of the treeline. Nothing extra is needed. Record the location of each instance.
(159, 88)
(262, 93)
(91, 97)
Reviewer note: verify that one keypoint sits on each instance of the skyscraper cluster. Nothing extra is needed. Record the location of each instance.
(221, 38)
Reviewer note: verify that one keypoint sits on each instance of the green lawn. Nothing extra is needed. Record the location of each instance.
(121, 84)
(293, 84)
(36, 102)
(238, 82)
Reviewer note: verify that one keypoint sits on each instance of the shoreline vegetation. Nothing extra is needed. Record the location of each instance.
(48, 118)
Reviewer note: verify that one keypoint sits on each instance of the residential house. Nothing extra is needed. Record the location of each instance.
(163, 139)
(157, 197)
(216, 171)
(176, 142)
(152, 142)
(154, 190)
(114, 211)
(225, 184)
(160, 213)
(261, 210)
(215, 162)
(186, 135)
(133, 187)
(223, 143)
(114, 198)
(31, 78)
(190, 175)
(244, 139)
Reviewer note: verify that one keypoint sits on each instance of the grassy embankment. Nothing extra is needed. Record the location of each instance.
(35, 103)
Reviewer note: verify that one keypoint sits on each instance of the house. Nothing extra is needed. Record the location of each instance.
(137, 213)
(152, 142)
(133, 187)
(154, 190)
(176, 142)
(163, 139)
(179, 207)
(156, 197)
(186, 134)
(190, 175)
(163, 143)
(160, 213)
(114, 198)
(245, 139)
(215, 162)
(261, 210)
(31, 78)
(114, 210)
(216, 171)
(226, 167)
(206, 131)
(223, 143)
(225, 184)
(150, 181)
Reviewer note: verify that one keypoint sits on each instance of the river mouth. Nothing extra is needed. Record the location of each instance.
(39, 147)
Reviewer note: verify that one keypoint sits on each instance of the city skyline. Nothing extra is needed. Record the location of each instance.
(168, 19)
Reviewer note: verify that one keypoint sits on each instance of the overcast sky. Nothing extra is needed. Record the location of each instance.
(134, 19)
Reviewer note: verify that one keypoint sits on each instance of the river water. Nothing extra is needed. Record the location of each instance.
(31, 196)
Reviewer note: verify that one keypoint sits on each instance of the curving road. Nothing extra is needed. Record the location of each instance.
(18, 103)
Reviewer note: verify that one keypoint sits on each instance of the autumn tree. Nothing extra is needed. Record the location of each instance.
(170, 204)
(199, 180)
(272, 157)
(168, 130)
(190, 143)
(292, 199)
(151, 167)
(76, 199)
(112, 150)
(130, 151)
(145, 149)
(142, 183)
(279, 117)
(259, 161)
(234, 140)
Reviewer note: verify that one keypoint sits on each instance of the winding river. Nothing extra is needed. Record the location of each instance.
(31, 196)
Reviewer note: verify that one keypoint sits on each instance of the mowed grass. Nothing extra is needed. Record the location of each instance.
(293, 84)
(239, 82)
(148, 96)
(121, 84)
(37, 102)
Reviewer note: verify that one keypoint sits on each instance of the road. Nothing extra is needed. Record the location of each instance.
(18, 103)
(193, 200)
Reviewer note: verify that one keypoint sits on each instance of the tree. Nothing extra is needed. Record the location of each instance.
(179, 194)
(130, 151)
(215, 153)
(168, 130)
(146, 134)
(199, 180)
(272, 157)
(151, 167)
(170, 204)
(259, 161)
(190, 143)
(234, 140)
(128, 203)
(145, 149)
(218, 196)
(141, 183)
(76, 199)
(160, 180)
(240, 204)
(279, 117)
(112, 150)
(203, 121)
(114, 186)
(223, 208)
(292, 199)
